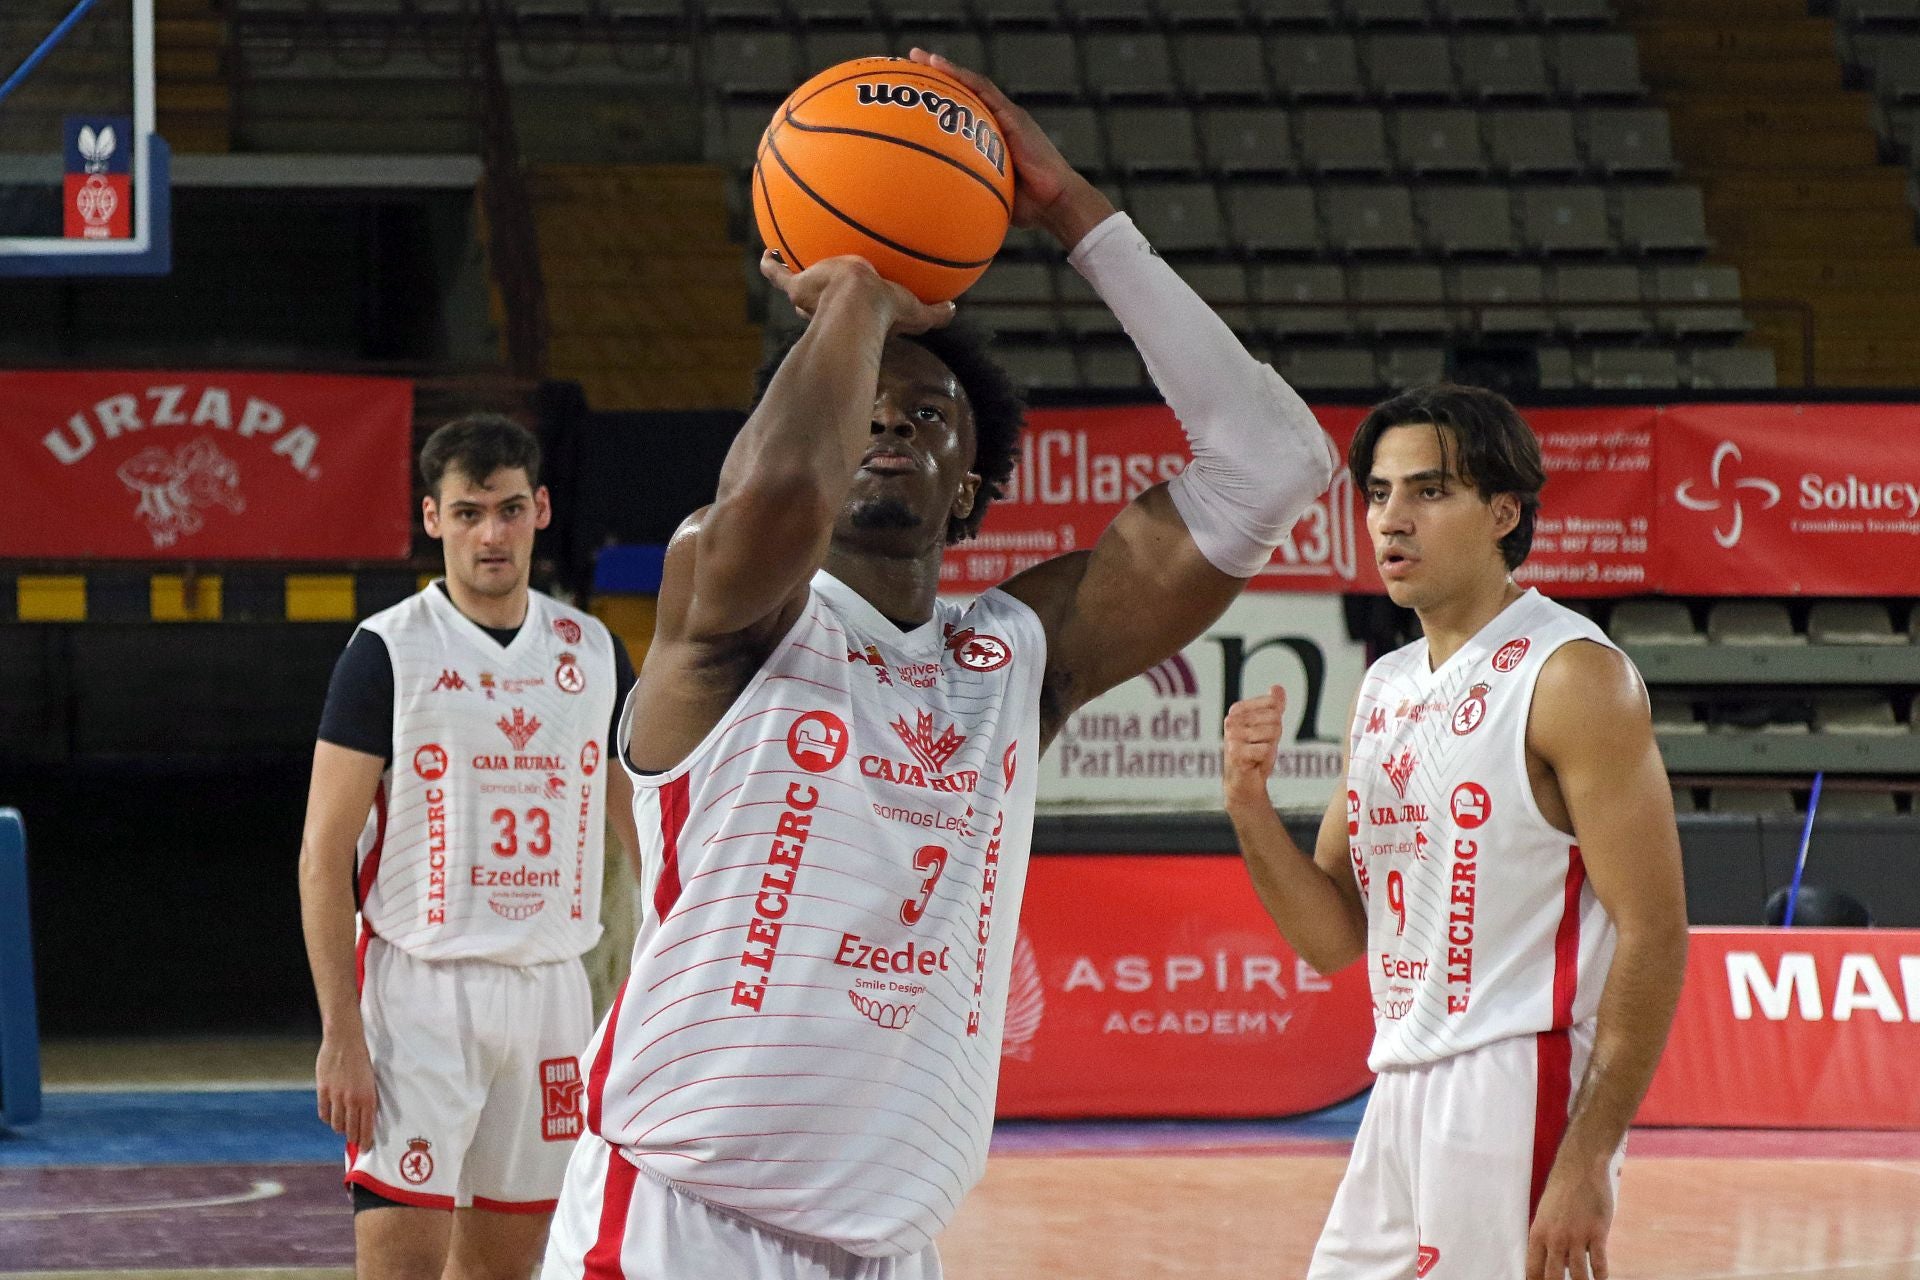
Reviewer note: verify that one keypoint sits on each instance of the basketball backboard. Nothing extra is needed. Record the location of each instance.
(84, 180)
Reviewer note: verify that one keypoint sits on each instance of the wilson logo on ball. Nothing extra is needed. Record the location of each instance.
(951, 116)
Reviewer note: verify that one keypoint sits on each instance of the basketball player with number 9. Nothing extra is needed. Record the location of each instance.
(460, 786)
(834, 769)
(1503, 858)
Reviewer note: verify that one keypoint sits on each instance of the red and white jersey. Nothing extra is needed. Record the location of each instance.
(486, 836)
(1480, 923)
(811, 1033)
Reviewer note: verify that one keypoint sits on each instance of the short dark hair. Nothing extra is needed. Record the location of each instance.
(1483, 440)
(998, 412)
(478, 445)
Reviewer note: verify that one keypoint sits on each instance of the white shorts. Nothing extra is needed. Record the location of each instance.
(616, 1222)
(1450, 1161)
(478, 1076)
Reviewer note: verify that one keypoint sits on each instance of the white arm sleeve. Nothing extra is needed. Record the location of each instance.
(1259, 457)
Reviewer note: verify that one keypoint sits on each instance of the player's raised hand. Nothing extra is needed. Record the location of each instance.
(808, 289)
(1569, 1233)
(343, 1075)
(1048, 191)
(1252, 741)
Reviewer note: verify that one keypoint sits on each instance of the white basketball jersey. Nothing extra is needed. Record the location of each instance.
(811, 1033)
(486, 835)
(1480, 923)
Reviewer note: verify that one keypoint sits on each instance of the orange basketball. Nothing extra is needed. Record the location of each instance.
(890, 160)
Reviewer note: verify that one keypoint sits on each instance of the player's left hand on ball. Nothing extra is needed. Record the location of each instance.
(806, 289)
(1249, 745)
(1569, 1233)
(1044, 181)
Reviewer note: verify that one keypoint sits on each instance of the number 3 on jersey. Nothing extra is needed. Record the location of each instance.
(507, 842)
(932, 859)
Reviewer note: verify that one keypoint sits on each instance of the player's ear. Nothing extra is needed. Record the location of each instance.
(1506, 513)
(430, 515)
(969, 492)
(542, 508)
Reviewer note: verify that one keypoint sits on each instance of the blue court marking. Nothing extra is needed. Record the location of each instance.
(251, 1127)
(54, 37)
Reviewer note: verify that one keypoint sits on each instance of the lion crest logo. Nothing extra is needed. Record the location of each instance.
(173, 487)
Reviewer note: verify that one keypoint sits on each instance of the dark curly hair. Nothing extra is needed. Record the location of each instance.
(1483, 440)
(998, 411)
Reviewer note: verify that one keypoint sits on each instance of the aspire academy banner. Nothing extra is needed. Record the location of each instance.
(1157, 986)
(1794, 1029)
(1704, 499)
(205, 466)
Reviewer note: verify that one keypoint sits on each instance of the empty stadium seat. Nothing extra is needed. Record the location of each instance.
(1376, 285)
(1850, 713)
(1275, 285)
(1468, 220)
(1597, 64)
(1630, 369)
(1565, 219)
(1628, 140)
(753, 62)
(1128, 65)
(1152, 140)
(1183, 13)
(1345, 368)
(1685, 800)
(830, 48)
(1020, 13)
(1851, 622)
(1502, 66)
(1222, 65)
(1751, 622)
(1698, 283)
(1675, 713)
(1290, 12)
(1761, 801)
(1034, 64)
(1076, 132)
(1403, 367)
(1315, 66)
(1556, 368)
(1369, 12)
(1223, 285)
(1178, 216)
(1111, 367)
(942, 13)
(1502, 13)
(967, 48)
(1857, 804)
(1527, 144)
(1409, 65)
(1512, 283)
(1037, 367)
(1082, 313)
(1369, 219)
(848, 11)
(1438, 140)
(1247, 140)
(1570, 11)
(1731, 369)
(1663, 220)
(1578, 292)
(1123, 13)
(765, 13)
(1273, 219)
(1010, 282)
(1338, 140)
(1636, 622)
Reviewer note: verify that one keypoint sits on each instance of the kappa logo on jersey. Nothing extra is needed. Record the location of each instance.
(569, 675)
(1424, 1261)
(1377, 720)
(1471, 711)
(590, 758)
(1010, 761)
(977, 652)
(567, 629)
(1400, 772)
(520, 729)
(1472, 806)
(556, 788)
(1420, 843)
(449, 679)
(932, 752)
(560, 1090)
(817, 741)
(416, 1166)
(871, 656)
(1509, 655)
(891, 1016)
(430, 762)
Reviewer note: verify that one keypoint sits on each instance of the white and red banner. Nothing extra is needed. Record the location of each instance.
(205, 466)
(1794, 1029)
(1718, 499)
(1157, 986)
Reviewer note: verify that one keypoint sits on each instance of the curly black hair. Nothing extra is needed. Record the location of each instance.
(998, 411)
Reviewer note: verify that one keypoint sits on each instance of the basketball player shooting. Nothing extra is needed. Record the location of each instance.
(834, 770)
(1505, 859)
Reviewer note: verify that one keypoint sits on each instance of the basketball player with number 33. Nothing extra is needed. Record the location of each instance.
(1503, 858)
(834, 770)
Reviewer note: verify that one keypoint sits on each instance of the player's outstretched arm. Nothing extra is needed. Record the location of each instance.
(1591, 724)
(787, 474)
(1174, 559)
(338, 799)
(1313, 901)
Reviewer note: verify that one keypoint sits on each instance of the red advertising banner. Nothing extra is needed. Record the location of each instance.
(1078, 467)
(1157, 986)
(206, 466)
(1794, 1029)
(1779, 499)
